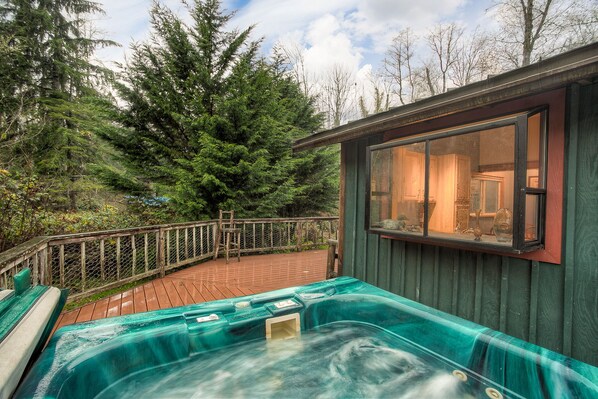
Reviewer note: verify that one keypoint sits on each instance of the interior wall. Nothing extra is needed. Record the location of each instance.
(553, 306)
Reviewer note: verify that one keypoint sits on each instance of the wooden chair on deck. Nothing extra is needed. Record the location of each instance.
(228, 235)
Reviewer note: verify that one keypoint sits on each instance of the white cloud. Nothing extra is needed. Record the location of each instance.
(414, 13)
(355, 31)
(352, 32)
(273, 18)
(327, 44)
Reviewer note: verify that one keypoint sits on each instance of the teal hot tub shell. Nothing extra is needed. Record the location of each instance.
(84, 360)
(27, 315)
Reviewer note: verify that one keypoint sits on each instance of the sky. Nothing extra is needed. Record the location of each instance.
(355, 33)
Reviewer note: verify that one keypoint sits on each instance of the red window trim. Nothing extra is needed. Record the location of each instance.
(555, 101)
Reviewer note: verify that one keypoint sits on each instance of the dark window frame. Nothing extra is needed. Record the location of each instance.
(520, 183)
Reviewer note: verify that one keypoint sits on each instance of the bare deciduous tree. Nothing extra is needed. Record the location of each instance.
(582, 24)
(398, 66)
(443, 40)
(427, 79)
(534, 29)
(337, 95)
(379, 93)
(449, 56)
(476, 59)
(294, 54)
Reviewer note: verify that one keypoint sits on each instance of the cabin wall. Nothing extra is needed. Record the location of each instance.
(554, 306)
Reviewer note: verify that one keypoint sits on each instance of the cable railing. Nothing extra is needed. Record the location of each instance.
(87, 263)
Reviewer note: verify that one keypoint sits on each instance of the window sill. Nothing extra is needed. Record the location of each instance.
(491, 247)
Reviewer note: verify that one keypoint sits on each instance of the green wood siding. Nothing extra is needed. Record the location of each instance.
(555, 306)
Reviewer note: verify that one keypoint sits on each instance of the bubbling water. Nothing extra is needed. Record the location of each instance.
(340, 360)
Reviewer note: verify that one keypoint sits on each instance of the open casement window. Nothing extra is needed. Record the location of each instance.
(480, 185)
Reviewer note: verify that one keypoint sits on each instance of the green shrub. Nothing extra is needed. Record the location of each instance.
(21, 208)
(26, 211)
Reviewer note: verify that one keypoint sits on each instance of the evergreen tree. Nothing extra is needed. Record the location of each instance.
(45, 88)
(212, 124)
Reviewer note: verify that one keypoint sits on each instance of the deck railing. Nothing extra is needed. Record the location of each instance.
(88, 263)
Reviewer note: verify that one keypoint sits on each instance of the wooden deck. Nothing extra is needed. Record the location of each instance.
(207, 282)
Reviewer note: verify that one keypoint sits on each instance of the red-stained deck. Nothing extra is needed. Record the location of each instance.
(207, 282)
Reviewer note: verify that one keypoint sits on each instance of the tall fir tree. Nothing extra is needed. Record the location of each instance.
(46, 89)
(212, 124)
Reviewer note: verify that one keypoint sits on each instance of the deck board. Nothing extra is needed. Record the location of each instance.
(69, 317)
(139, 303)
(195, 294)
(204, 291)
(161, 294)
(114, 305)
(173, 294)
(151, 298)
(101, 309)
(127, 306)
(235, 291)
(182, 291)
(208, 281)
(246, 291)
(213, 289)
(85, 313)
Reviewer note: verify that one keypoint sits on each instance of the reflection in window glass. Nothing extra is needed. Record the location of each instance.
(535, 148)
(474, 179)
(470, 179)
(531, 217)
(468, 184)
(475, 195)
(485, 194)
(490, 197)
(380, 185)
(398, 206)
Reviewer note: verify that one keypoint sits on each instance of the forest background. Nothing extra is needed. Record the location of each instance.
(199, 119)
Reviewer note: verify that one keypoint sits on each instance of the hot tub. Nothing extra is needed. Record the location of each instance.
(337, 338)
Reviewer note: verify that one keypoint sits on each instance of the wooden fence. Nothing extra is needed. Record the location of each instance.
(88, 263)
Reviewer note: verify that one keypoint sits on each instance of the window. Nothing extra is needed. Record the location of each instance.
(485, 194)
(482, 184)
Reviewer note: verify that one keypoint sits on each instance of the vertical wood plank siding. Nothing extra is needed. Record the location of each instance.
(584, 285)
(555, 306)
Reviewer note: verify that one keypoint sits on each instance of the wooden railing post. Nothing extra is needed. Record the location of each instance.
(167, 247)
(117, 258)
(201, 228)
(271, 235)
(194, 242)
(186, 243)
(161, 256)
(244, 246)
(331, 259)
(48, 279)
(145, 252)
(133, 255)
(35, 269)
(83, 266)
(216, 238)
(61, 265)
(178, 259)
(299, 234)
(102, 261)
(43, 258)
